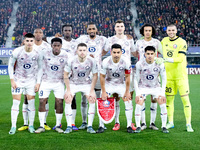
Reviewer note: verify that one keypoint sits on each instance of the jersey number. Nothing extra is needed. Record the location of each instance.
(150, 77)
(168, 90)
(27, 66)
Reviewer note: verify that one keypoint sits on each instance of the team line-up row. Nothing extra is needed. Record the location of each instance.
(39, 67)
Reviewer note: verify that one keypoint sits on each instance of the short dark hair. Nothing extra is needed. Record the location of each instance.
(150, 48)
(67, 25)
(56, 40)
(116, 46)
(81, 44)
(29, 35)
(91, 23)
(119, 21)
(147, 25)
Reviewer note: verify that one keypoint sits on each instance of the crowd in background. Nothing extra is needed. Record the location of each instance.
(50, 15)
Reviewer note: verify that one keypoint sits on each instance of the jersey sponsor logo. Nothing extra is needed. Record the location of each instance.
(175, 46)
(149, 77)
(116, 75)
(155, 69)
(27, 66)
(92, 49)
(87, 67)
(169, 54)
(123, 51)
(81, 74)
(54, 68)
(61, 60)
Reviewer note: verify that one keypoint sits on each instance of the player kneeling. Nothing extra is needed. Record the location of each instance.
(113, 70)
(146, 82)
(81, 66)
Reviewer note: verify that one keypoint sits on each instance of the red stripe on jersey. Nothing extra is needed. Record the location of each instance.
(128, 71)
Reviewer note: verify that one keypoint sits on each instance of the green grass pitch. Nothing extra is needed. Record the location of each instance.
(178, 138)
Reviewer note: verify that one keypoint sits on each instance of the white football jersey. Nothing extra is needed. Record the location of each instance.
(95, 46)
(115, 72)
(27, 64)
(69, 47)
(127, 45)
(53, 66)
(147, 75)
(141, 44)
(43, 46)
(80, 71)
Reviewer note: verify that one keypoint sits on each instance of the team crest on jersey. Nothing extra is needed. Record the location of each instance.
(106, 103)
(121, 68)
(72, 46)
(123, 51)
(49, 59)
(145, 69)
(127, 43)
(22, 58)
(92, 49)
(87, 67)
(175, 46)
(155, 69)
(166, 45)
(33, 59)
(75, 67)
(169, 54)
(61, 60)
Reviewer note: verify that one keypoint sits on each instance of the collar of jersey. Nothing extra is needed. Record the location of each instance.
(174, 39)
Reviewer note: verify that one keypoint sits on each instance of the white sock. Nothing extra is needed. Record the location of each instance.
(91, 113)
(25, 113)
(14, 112)
(153, 109)
(117, 112)
(68, 114)
(84, 106)
(163, 114)
(31, 111)
(58, 119)
(128, 112)
(101, 124)
(41, 118)
(98, 93)
(47, 111)
(138, 114)
(143, 116)
(73, 116)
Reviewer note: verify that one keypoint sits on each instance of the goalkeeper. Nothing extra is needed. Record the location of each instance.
(174, 53)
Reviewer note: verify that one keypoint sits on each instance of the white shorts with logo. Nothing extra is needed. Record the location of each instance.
(119, 89)
(80, 88)
(24, 88)
(155, 92)
(57, 88)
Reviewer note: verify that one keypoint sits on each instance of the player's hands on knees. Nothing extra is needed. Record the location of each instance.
(161, 99)
(37, 86)
(104, 96)
(92, 97)
(58, 35)
(13, 84)
(68, 97)
(138, 99)
(127, 96)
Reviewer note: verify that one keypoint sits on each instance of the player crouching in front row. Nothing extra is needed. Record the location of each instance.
(81, 66)
(113, 70)
(146, 82)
